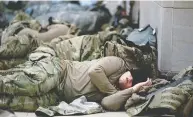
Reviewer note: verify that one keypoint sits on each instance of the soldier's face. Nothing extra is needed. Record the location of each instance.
(125, 81)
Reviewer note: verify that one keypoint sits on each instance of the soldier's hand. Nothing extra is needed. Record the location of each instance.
(137, 87)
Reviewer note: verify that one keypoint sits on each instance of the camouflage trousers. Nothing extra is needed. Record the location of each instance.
(17, 48)
(30, 85)
(136, 60)
(28, 103)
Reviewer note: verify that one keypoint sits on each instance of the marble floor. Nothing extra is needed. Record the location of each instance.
(107, 114)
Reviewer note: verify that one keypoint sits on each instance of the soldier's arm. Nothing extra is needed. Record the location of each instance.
(100, 71)
(115, 101)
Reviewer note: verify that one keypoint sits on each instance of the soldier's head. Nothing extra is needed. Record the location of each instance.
(132, 77)
(126, 80)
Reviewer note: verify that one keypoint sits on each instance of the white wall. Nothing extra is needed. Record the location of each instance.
(174, 23)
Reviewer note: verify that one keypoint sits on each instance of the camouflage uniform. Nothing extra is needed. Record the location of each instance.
(21, 16)
(31, 84)
(23, 24)
(45, 75)
(143, 60)
(81, 48)
(14, 29)
(19, 41)
(44, 64)
(16, 50)
(86, 47)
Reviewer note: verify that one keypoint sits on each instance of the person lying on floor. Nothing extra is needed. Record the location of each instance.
(107, 80)
(23, 24)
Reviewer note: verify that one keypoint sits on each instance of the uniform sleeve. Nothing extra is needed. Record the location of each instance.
(100, 72)
(115, 101)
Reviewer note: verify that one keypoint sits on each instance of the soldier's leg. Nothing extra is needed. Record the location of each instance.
(27, 103)
(92, 45)
(32, 78)
(134, 57)
(81, 48)
(90, 48)
(125, 52)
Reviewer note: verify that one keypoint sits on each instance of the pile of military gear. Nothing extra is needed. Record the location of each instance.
(164, 97)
